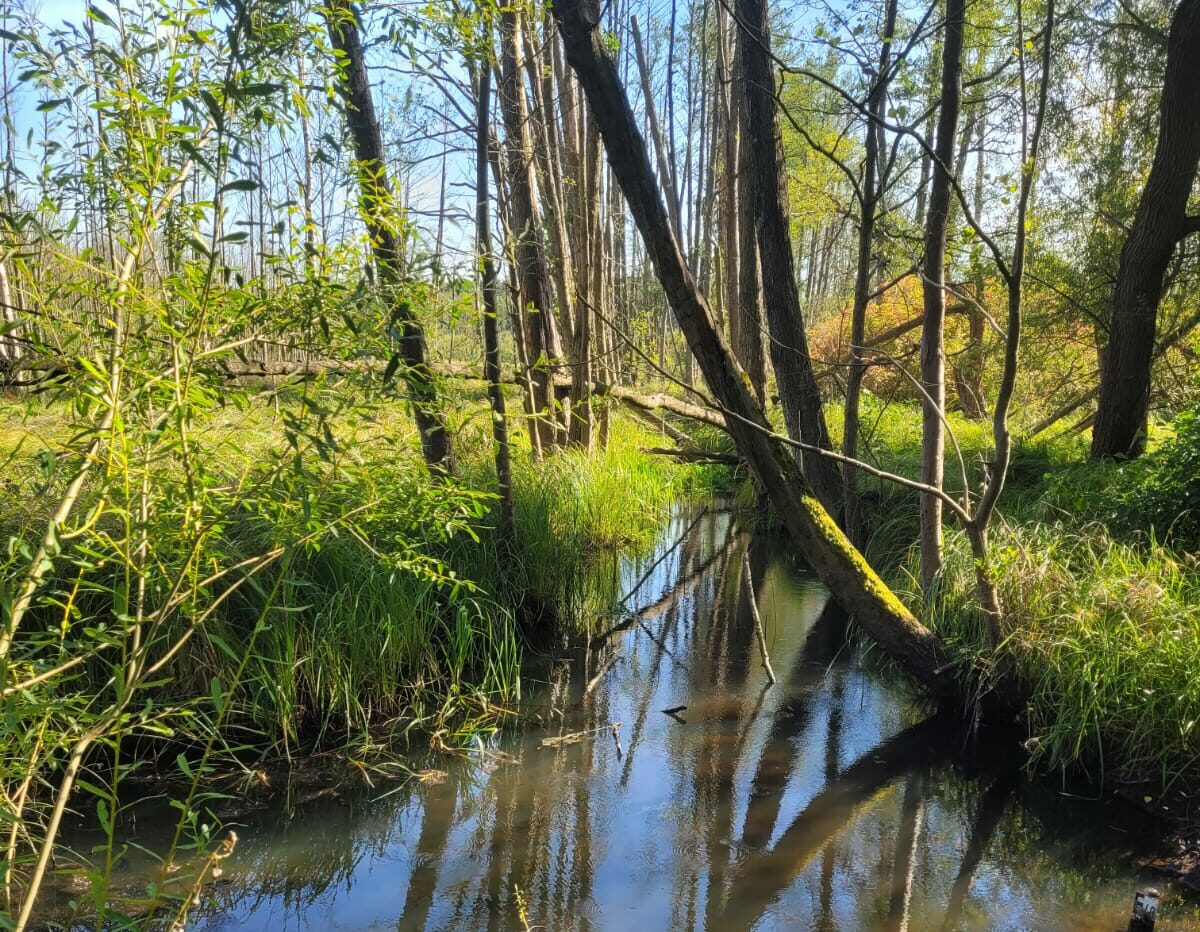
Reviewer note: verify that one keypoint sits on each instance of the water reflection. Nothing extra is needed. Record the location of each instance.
(826, 802)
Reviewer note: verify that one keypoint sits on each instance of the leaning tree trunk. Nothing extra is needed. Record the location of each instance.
(794, 375)
(1160, 223)
(933, 351)
(857, 587)
(381, 214)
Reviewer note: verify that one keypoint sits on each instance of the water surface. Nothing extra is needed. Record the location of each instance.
(830, 801)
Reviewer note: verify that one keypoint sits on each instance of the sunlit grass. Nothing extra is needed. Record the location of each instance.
(410, 617)
(1106, 642)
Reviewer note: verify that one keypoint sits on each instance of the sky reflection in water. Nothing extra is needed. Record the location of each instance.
(826, 802)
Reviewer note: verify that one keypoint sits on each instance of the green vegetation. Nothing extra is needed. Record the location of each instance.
(1099, 581)
(391, 598)
(291, 582)
(252, 281)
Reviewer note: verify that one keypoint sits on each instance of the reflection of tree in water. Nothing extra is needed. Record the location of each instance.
(765, 807)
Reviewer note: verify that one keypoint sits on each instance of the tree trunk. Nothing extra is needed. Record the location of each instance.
(749, 305)
(933, 351)
(798, 391)
(1160, 223)
(822, 544)
(665, 167)
(381, 214)
(726, 130)
(872, 186)
(516, 312)
(592, 245)
(533, 272)
(968, 374)
(487, 268)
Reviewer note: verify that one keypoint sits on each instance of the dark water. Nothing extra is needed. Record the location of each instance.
(827, 802)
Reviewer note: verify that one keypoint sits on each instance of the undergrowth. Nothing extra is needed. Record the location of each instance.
(1099, 581)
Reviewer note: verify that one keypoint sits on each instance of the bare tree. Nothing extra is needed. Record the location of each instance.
(871, 189)
(381, 214)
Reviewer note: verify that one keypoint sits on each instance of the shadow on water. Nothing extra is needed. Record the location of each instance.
(829, 801)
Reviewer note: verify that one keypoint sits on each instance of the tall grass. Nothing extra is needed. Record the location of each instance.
(1105, 640)
(395, 615)
(1104, 616)
(311, 588)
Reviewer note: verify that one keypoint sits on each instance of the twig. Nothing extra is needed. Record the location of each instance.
(758, 628)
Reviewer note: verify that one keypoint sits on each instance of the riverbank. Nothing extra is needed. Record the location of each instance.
(828, 797)
(1097, 569)
(376, 595)
(280, 577)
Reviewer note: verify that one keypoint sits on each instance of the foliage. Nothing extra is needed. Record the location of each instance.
(1106, 641)
(1166, 496)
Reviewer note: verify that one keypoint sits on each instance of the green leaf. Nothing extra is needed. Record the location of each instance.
(264, 89)
(94, 12)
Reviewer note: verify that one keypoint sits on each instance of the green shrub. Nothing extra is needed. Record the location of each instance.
(1166, 497)
(1105, 639)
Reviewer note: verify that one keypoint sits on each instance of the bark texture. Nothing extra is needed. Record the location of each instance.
(933, 351)
(1160, 223)
(798, 391)
(543, 343)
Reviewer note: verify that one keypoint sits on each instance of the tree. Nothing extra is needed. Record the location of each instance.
(799, 394)
(381, 215)
(871, 190)
(487, 269)
(821, 542)
(1159, 225)
(933, 350)
(544, 345)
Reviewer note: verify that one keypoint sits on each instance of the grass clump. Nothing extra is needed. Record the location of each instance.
(1099, 582)
(379, 600)
(1105, 641)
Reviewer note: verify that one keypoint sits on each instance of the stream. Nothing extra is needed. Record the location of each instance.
(831, 800)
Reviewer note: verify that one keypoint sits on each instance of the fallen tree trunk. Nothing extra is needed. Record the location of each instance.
(823, 545)
(695, 455)
(641, 402)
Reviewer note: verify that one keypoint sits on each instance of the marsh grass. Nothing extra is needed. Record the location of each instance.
(409, 615)
(1104, 616)
(299, 584)
(1105, 636)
